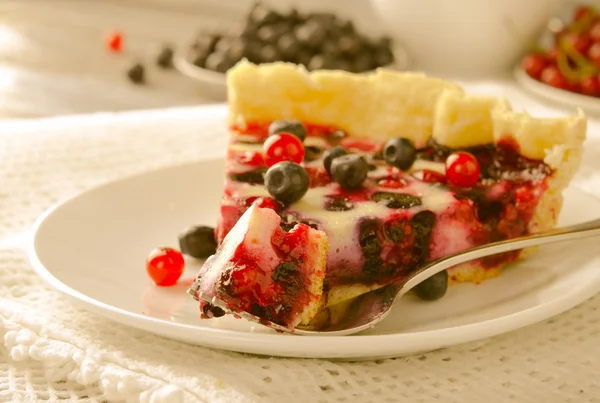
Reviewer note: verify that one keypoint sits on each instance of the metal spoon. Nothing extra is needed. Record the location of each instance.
(368, 309)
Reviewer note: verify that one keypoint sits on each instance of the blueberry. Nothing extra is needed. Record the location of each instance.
(396, 200)
(236, 51)
(198, 59)
(217, 62)
(136, 73)
(331, 49)
(198, 242)
(165, 58)
(311, 153)
(362, 62)
(256, 176)
(350, 171)
(288, 46)
(311, 34)
(369, 239)
(261, 15)
(349, 45)
(433, 288)
(400, 152)
(330, 155)
(287, 182)
(292, 126)
(341, 64)
(422, 226)
(284, 271)
(320, 62)
(211, 311)
(268, 34)
(338, 203)
(304, 56)
(269, 54)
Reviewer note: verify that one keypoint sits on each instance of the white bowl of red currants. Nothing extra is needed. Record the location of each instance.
(568, 69)
(465, 38)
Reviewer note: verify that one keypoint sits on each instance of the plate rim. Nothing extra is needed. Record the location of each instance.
(220, 338)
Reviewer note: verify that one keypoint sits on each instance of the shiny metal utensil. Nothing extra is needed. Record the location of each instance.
(366, 310)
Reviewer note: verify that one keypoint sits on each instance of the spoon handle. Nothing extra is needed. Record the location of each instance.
(578, 231)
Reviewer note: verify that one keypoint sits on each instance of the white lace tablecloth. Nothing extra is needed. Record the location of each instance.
(51, 352)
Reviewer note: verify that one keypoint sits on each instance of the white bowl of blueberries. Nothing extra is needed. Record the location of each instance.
(316, 40)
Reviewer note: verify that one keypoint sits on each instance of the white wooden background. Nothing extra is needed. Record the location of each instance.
(53, 59)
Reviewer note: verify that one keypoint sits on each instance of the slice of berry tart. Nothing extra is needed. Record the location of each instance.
(338, 184)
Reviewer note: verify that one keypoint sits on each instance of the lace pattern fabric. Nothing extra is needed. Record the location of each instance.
(51, 351)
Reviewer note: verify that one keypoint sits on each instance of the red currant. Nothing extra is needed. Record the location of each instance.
(165, 266)
(553, 77)
(581, 42)
(594, 53)
(115, 42)
(462, 169)
(590, 86)
(534, 64)
(552, 55)
(583, 12)
(429, 176)
(283, 147)
(595, 32)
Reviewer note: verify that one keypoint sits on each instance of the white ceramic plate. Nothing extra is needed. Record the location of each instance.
(570, 100)
(93, 248)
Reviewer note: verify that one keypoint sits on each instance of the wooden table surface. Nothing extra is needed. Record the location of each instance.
(53, 59)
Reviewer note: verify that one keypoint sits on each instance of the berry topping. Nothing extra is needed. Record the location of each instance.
(291, 126)
(198, 242)
(433, 288)
(332, 154)
(396, 200)
(264, 202)
(391, 183)
(400, 152)
(283, 147)
(287, 182)
(115, 42)
(462, 169)
(350, 171)
(165, 266)
(429, 176)
(338, 203)
(251, 158)
(136, 73)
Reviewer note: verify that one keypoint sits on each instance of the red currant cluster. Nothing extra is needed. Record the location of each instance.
(137, 72)
(573, 62)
